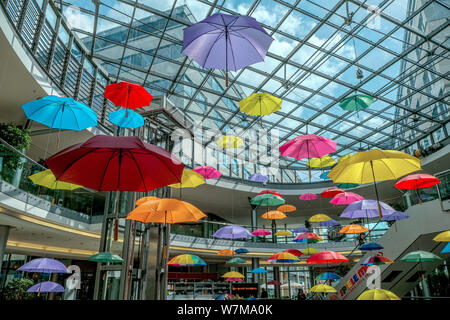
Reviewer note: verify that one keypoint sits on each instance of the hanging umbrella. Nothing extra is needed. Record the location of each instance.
(417, 181)
(331, 192)
(230, 142)
(366, 209)
(274, 215)
(378, 294)
(344, 158)
(236, 261)
(225, 252)
(232, 232)
(329, 223)
(292, 285)
(274, 283)
(376, 260)
(420, 256)
(128, 95)
(370, 246)
(322, 288)
(259, 270)
(46, 286)
(60, 113)
(346, 185)
(446, 248)
(270, 192)
(286, 208)
(283, 233)
(324, 175)
(301, 230)
(208, 172)
(374, 165)
(44, 265)
(166, 211)
(226, 296)
(309, 251)
(241, 250)
(233, 274)
(308, 196)
(125, 118)
(345, 198)
(283, 257)
(356, 102)
(327, 276)
(295, 252)
(234, 280)
(353, 228)
(189, 179)
(185, 260)
(319, 218)
(261, 232)
(226, 42)
(47, 179)
(267, 200)
(442, 237)
(257, 177)
(308, 237)
(260, 104)
(145, 199)
(323, 162)
(327, 257)
(105, 257)
(394, 216)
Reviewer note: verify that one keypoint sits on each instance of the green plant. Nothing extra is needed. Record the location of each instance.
(17, 290)
(18, 138)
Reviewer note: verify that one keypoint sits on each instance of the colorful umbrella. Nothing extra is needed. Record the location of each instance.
(225, 252)
(283, 257)
(420, 256)
(47, 179)
(446, 248)
(370, 246)
(226, 42)
(259, 104)
(189, 179)
(226, 296)
(274, 215)
(257, 177)
(185, 260)
(259, 270)
(46, 286)
(284, 233)
(234, 280)
(329, 223)
(309, 251)
(394, 216)
(308, 196)
(308, 237)
(233, 274)
(301, 230)
(345, 198)
(442, 237)
(232, 232)
(417, 181)
(60, 113)
(366, 209)
(128, 95)
(261, 232)
(286, 208)
(331, 192)
(166, 211)
(241, 250)
(106, 257)
(346, 185)
(327, 257)
(230, 142)
(267, 200)
(323, 162)
(236, 261)
(44, 265)
(270, 192)
(145, 199)
(378, 294)
(319, 218)
(208, 172)
(295, 252)
(125, 118)
(324, 175)
(327, 276)
(356, 102)
(322, 288)
(376, 260)
(353, 228)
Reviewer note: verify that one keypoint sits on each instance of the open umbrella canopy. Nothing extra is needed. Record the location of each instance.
(106, 257)
(225, 252)
(301, 229)
(353, 228)
(232, 232)
(60, 113)
(327, 276)
(241, 250)
(322, 288)
(233, 274)
(44, 265)
(259, 104)
(346, 198)
(107, 163)
(376, 260)
(226, 296)
(283, 257)
(46, 286)
(145, 199)
(378, 294)
(286, 208)
(442, 237)
(324, 175)
(125, 118)
(234, 280)
(184, 260)
(370, 246)
(308, 196)
(208, 172)
(356, 102)
(259, 270)
(323, 162)
(417, 181)
(331, 192)
(295, 252)
(128, 95)
(236, 261)
(309, 251)
(274, 283)
(270, 192)
(308, 237)
(394, 216)
(329, 223)
(258, 177)
(189, 179)
(292, 285)
(166, 211)
(446, 248)
(344, 158)
(327, 257)
(420, 256)
(346, 185)
(47, 179)
(267, 200)
(261, 232)
(366, 209)
(319, 218)
(274, 215)
(283, 233)
(308, 146)
(230, 142)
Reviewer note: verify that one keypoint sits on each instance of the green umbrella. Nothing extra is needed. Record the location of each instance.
(420, 256)
(356, 102)
(267, 200)
(236, 260)
(347, 185)
(106, 257)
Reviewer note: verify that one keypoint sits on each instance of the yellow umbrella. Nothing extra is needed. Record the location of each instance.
(325, 161)
(309, 251)
(443, 237)
(259, 104)
(47, 179)
(189, 179)
(319, 218)
(378, 294)
(322, 288)
(344, 158)
(233, 274)
(283, 233)
(228, 142)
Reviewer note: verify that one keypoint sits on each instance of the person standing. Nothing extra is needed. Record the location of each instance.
(301, 295)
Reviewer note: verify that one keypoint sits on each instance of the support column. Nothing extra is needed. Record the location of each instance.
(4, 232)
(151, 265)
(276, 277)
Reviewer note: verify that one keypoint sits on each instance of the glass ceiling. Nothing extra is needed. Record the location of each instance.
(401, 47)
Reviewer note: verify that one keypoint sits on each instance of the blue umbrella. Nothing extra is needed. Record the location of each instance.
(324, 175)
(301, 230)
(60, 113)
(396, 215)
(46, 286)
(241, 250)
(329, 223)
(259, 270)
(126, 118)
(446, 248)
(258, 177)
(328, 276)
(371, 246)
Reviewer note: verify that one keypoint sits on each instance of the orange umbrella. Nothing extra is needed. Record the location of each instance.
(145, 199)
(353, 228)
(166, 211)
(286, 208)
(273, 215)
(225, 252)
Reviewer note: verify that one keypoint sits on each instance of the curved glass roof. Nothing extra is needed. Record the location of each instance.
(401, 47)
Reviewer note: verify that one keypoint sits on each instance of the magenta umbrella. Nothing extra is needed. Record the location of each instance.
(208, 172)
(261, 232)
(346, 198)
(308, 196)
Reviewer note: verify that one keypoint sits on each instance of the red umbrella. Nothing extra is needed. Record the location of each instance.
(274, 282)
(295, 252)
(270, 192)
(417, 181)
(331, 192)
(327, 257)
(128, 95)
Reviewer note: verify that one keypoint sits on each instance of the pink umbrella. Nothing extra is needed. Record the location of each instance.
(308, 196)
(346, 198)
(208, 172)
(261, 232)
(234, 279)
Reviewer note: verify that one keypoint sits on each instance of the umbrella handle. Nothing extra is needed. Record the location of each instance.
(116, 229)
(226, 79)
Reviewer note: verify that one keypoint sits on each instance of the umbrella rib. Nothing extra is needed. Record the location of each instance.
(201, 35)
(139, 169)
(388, 168)
(245, 38)
(106, 168)
(73, 162)
(210, 49)
(76, 119)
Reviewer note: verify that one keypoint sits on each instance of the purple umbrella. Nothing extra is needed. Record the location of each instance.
(226, 42)
(258, 177)
(46, 286)
(44, 265)
(329, 223)
(366, 209)
(232, 232)
(396, 215)
(301, 230)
